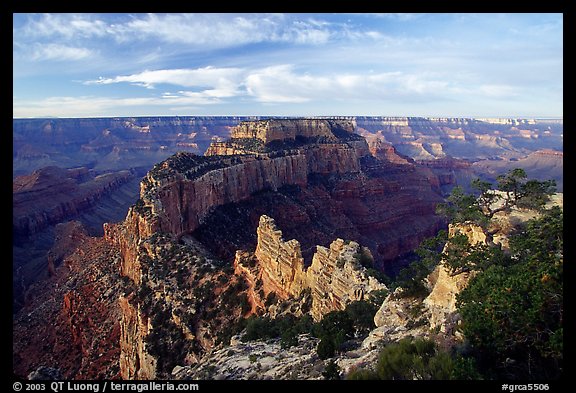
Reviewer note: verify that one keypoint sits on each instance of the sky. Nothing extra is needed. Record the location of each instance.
(430, 65)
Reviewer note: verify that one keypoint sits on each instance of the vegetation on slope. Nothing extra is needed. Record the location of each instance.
(512, 309)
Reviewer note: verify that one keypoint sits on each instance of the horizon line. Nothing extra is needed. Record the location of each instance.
(299, 117)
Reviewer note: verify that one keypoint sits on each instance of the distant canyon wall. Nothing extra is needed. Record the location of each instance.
(125, 142)
(52, 195)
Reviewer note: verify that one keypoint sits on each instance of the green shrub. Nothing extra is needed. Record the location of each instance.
(326, 348)
(332, 370)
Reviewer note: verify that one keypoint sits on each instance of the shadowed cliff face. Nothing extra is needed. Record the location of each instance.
(51, 194)
(71, 319)
(388, 210)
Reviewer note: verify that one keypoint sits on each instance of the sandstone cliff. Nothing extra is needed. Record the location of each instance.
(290, 129)
(335, 278)
(135, 361)
(387, 204)
(178, 194)
(441, 302)
(399, 316)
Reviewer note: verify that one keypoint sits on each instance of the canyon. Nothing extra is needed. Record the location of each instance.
(197, 244)
(114, 144)
(53, 195)
(179, 198)
(452, 151)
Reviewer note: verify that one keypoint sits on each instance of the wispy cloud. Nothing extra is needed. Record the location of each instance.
(500, 91)
(202, 31)
(65, 26)
(206, 76)
(59, 52)
(96, 105)
(284, 84)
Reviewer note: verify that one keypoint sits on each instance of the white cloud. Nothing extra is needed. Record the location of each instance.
(402, 17)
(282, 84)
(200, 31)
(66, 26)
(222, 79)
(102, 106)
(279, 84)
(285, 84)
(222, 30)
(59, 52)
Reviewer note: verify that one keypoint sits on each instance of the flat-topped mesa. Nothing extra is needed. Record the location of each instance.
(273, 135)
(181, 191)
(335, 278)
(290, 129)
(178, 194)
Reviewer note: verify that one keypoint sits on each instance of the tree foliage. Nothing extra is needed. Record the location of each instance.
(335, 328)
(512, 189)
(512, 315)
(410, 359)
(332, 370)
(462, 207)
(512, 310)
(411, 278)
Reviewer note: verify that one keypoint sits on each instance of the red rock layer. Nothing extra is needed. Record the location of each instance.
(72, 319)
(51, 195)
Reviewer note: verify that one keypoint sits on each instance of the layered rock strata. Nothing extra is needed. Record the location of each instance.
(51, 195)
(72, 319)
(335, 277)
(290, 129)
(441, 302)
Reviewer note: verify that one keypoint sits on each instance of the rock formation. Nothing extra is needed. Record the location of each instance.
(53, 195)
(353, 201)
(178, 194)
(399, 316)
(289, 129)
(441, 302)
(124, 143)
(181, 193)
(135, 361)
(281, 261)
(541, 165)
(257, 361)
(335, 278)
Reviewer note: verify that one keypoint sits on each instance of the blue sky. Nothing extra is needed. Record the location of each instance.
(454, 65)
